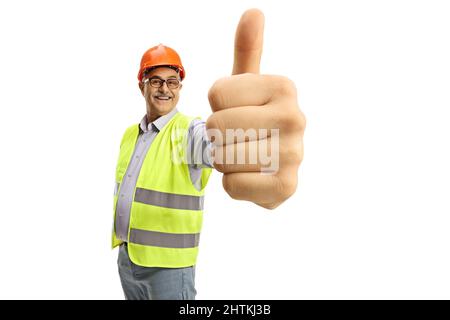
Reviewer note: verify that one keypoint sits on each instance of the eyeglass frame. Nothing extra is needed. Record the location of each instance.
(162, 81)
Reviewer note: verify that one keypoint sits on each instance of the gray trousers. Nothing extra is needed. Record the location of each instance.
(142, 283)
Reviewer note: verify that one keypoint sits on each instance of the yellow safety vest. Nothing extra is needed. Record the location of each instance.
(167, 210)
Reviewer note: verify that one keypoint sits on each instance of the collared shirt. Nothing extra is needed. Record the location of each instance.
(199, 156)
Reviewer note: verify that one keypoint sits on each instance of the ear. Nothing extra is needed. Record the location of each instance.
(181, 86)
(141, 87)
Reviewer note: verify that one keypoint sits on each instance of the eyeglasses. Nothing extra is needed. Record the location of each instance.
(172, 83)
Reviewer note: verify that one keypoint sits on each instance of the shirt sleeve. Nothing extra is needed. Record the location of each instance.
(198, 151)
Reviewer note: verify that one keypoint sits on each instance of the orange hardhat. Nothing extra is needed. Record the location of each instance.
(160, 55)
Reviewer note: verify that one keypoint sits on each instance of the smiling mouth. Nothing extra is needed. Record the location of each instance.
(162, 98)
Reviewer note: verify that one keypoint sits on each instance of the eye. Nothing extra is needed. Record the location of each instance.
(173, 83)
(156, 82)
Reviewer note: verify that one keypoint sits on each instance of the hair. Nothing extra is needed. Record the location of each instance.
(148, 70)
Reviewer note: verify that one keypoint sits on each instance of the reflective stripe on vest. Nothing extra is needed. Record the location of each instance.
(165, 240)
(168, 200)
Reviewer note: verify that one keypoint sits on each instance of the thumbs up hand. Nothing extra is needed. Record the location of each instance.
(256, 126)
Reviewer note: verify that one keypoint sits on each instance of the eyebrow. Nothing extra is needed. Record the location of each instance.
(175, 77)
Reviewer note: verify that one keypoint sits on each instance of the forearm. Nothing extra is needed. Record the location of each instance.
(199, 147)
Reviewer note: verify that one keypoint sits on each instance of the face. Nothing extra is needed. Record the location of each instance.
(160, 101)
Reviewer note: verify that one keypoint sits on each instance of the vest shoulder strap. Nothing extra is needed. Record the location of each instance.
(130, 132)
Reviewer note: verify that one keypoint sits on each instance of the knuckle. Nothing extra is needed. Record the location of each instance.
(215, 96)
(229, 186)
(219, 167)
(285, 187)
(293, 155)
(287, 87)
(292, 118)
(289, 185)
(213, 122)
(214, 129)
(293, 121)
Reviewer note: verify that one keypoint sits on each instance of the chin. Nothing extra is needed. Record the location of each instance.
(162, 110)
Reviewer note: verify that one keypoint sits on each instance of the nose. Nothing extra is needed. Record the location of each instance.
(164, 88)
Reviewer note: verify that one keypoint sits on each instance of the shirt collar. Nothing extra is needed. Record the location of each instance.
(158, 124)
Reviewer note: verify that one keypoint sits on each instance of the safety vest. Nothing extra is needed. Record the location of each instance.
(167, 210)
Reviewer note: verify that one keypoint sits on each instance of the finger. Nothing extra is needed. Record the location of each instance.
(248, 42)
(248, 156)
(252, 123)
(243, 124)
(266, 155)
(264, 190)
(249, 89)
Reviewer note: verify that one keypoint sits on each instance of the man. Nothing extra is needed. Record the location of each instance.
(165, 162)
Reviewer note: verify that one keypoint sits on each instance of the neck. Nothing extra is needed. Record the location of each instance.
(152, 117)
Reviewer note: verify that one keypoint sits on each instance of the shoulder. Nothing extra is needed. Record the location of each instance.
(191, 121)
(130, 132)
(187, 121)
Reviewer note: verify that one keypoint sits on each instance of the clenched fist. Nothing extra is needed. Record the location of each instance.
(256, 126)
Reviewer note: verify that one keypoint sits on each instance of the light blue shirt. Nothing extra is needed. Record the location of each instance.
(199, 156)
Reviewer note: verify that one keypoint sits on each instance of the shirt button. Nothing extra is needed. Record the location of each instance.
(122, 195)
(129, 176)
(137, 157)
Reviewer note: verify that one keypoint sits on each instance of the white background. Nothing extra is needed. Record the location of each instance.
(370, 218)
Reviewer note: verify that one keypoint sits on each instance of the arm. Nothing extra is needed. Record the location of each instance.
(199, 149)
